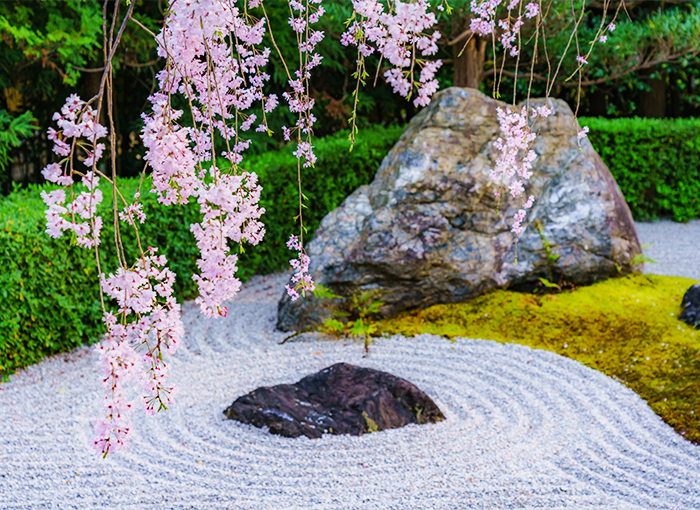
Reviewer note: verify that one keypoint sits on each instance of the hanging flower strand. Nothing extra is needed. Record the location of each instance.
(302, 16)
(220, 76)
(398, 36)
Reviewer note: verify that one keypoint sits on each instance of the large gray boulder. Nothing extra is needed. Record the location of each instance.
(429, 229)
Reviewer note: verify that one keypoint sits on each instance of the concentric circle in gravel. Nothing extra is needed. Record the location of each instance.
(525, 429)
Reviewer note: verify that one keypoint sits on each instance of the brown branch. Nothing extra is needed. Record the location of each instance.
(145, 64)
(460, 37)
(632, 3)
(586, 83)
(150, 32)
(86, 70)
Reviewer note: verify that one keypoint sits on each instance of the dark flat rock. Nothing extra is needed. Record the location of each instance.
(340, 399)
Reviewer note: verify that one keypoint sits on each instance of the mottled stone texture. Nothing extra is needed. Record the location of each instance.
(341, 399)
(691, 306)
(426, 230)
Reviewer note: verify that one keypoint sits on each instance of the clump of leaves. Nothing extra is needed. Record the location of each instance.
(641, 259)
(627, 328)
(355, 318)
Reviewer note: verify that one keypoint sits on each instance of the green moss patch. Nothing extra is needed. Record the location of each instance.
(627, 328)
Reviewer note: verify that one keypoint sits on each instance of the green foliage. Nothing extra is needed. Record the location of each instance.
(11, 133)
(626, 327)
(323, 292)
(56, 34)
(639, 258)
(549, 284)
(663, 35)
(48, 300)
(655, 162)
(53, 48)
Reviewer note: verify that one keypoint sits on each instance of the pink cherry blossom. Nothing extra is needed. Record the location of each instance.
(398, 35)
(514, 163)
(301, 279)
(133, 347)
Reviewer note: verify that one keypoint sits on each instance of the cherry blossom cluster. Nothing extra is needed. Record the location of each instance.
(219, 78)
(215, 60)
(76, 122)
(150, 316)
(397, 36)
(231, 213)
(133, 210)
(514, 163)
(169, 153)
(133, 347)
(485, 21)
(304, 14)
(302, 279)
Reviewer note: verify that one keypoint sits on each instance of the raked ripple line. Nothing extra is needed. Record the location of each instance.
(525, 429)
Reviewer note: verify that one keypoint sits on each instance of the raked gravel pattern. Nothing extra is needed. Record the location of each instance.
(524, 428)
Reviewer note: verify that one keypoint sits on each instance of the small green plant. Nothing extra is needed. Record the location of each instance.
(323, 292)
(356, 318)
(551, 257)
(641, 259)
(547, 284)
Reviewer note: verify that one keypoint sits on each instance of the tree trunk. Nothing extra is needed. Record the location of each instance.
(598, 103)
(469, 66)
(652, 103)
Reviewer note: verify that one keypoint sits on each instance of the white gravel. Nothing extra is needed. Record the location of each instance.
(525, 429)
(674, 246)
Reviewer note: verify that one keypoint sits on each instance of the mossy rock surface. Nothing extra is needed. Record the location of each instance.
(627, 328)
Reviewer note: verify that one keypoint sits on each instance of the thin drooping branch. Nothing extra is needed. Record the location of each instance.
(610, 77)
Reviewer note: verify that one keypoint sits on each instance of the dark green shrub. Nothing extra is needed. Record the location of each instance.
(656, 163)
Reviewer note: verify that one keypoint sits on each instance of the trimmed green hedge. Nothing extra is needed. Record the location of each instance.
(49, 298)
(656, 163)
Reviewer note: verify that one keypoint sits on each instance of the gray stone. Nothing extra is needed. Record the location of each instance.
(429, 229)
